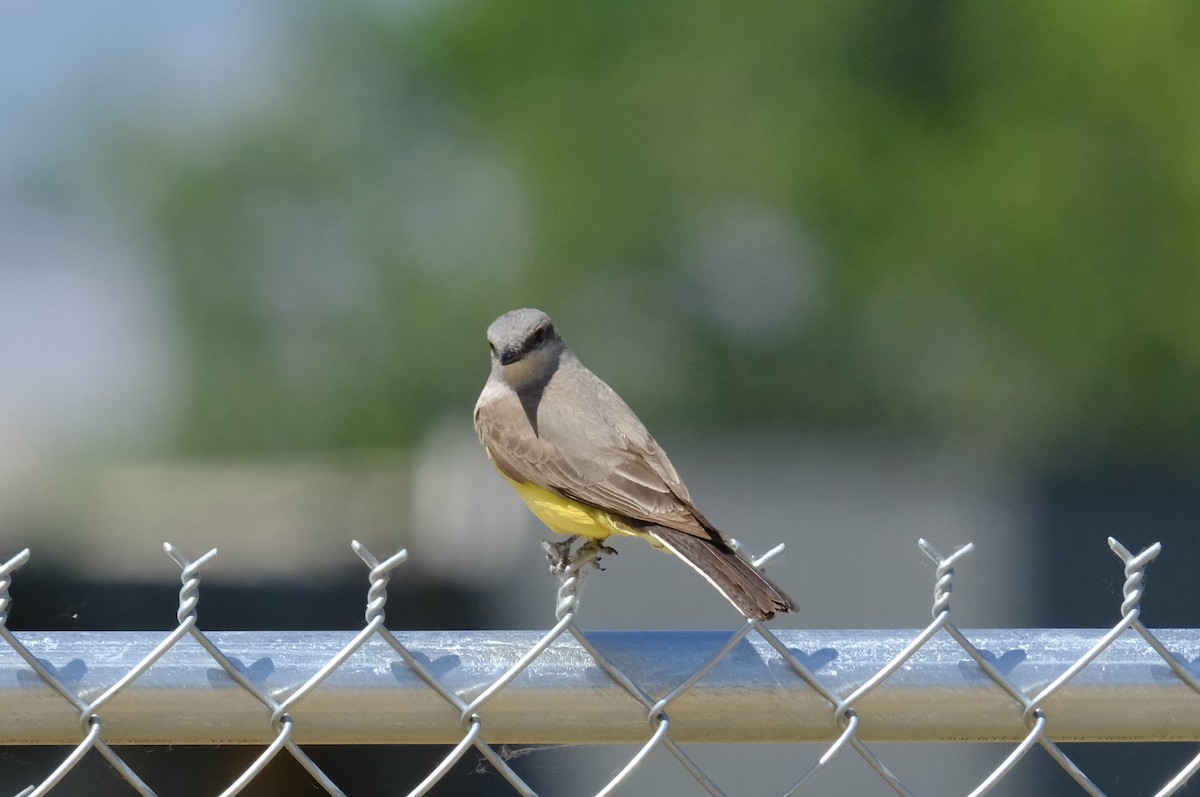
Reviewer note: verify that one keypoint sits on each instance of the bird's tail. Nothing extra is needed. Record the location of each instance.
(752, 593)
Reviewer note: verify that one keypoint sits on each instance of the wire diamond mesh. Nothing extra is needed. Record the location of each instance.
(571, 686)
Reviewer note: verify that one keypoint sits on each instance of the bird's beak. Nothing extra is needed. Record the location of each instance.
(509, 355)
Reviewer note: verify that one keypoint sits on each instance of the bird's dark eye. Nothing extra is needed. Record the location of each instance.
(539, 335)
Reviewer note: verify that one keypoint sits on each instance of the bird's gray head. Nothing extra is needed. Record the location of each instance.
(525, 346)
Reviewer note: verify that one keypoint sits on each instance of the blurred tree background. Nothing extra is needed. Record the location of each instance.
(945, 224)
(967, 221)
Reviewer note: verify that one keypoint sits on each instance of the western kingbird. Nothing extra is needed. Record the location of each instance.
(586, 466)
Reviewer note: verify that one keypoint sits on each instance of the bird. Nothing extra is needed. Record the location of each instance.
(586, 466)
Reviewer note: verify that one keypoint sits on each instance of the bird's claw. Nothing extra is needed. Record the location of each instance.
(558, 554)
(561, 557)
(591, 551)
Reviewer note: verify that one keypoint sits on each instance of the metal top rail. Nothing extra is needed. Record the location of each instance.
(750, 695)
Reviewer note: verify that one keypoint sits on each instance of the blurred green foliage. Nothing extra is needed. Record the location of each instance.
(993, 207)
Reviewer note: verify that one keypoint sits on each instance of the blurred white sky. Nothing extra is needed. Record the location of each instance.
(85, 337)
(181, 64)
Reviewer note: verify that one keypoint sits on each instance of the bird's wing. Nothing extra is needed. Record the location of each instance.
(609, 462)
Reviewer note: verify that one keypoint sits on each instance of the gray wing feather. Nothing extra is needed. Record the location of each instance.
(590, 447)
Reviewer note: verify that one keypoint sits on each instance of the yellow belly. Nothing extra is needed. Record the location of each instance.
(572, 518)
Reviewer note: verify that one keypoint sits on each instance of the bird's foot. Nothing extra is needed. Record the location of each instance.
(562, 558)
(559, 554)
(590, 552)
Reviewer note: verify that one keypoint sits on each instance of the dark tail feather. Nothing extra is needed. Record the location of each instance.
(752, 593)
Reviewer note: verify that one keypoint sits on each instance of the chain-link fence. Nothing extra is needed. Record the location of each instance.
(658, 690)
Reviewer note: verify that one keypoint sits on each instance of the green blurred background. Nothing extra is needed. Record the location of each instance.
(248, 252)
(964, 221)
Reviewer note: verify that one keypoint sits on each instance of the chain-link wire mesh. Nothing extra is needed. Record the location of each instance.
(485, 691)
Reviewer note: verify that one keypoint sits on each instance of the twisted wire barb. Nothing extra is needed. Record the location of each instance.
(89, 719)
(566, 607)
(944, 573)
(657, 715)
(1129, 613)
(1132, 590)
(1135, 574)
(6, 571)
(282, 725)
(845, 715)
(1034, 714)
(379, 576)
(380, 573)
